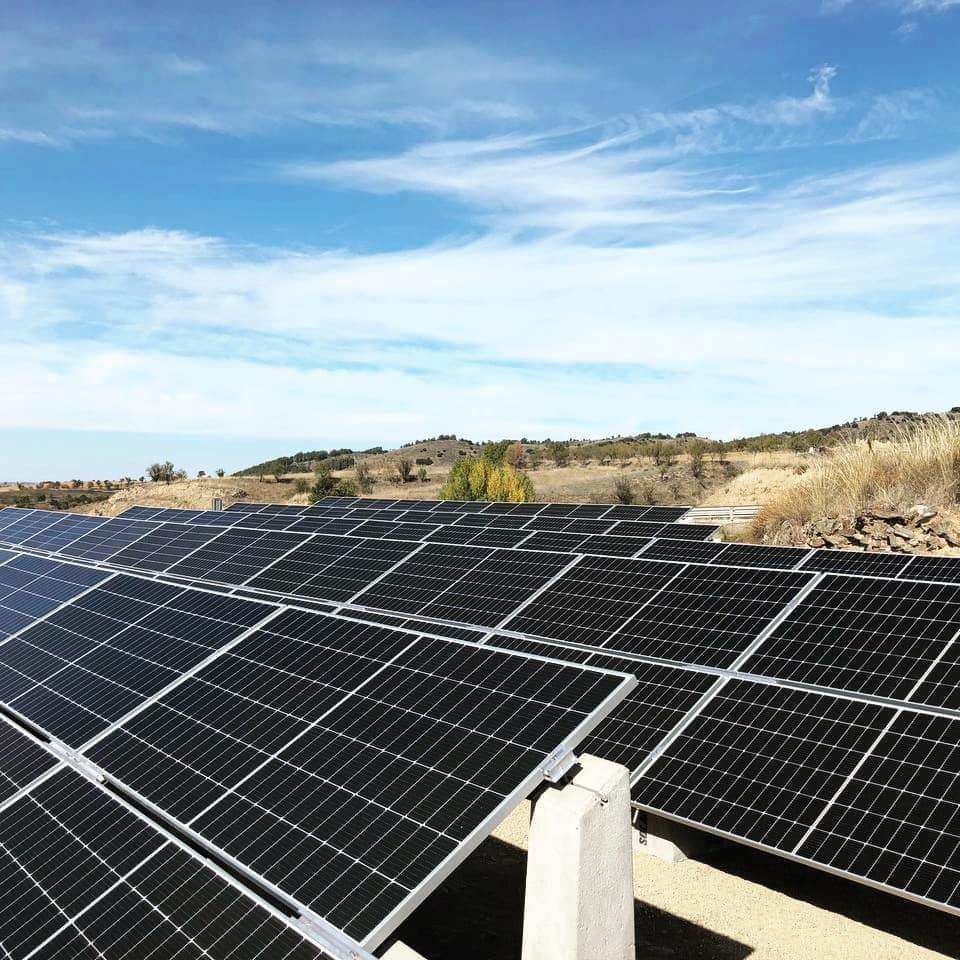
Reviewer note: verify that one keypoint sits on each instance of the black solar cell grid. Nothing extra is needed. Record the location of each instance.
(626, 512)
(309, 524)
(591, 510)
(761, 762)
(586, 525)
(754, 555)
(394, 530)
(635, 528)
(422, 577)
(592, 600)
(21, 760)
(663, 696)
(494, 588)
(569, 542)
(684, 551)
(286, 509)
(236, 555)
(69, 528)
(420, 506)
(29, 525)
(897, 821)
(665, 514)
(345, 762)
(854, 633)
(339, 527)
(264, 521)
(108, 539)
(852, 561)
(686, 531)
(709, 615)
(498, 537)
(941, 686)
(214, 518)
(548, 524)
(369, 513)
(291, 572)
(455, 534)
(90, 662)
(501, 521)
(946, 569)
(241, 507)
(141, 513)
(87, 879)
(352, 571)
(609, 545)
(10, 515)
(176, 515)
(164, 546)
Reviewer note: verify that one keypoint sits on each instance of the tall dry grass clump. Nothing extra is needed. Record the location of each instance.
(920, 464)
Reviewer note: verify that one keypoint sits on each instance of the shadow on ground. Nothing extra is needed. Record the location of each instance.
(477, 914)
(910, 921)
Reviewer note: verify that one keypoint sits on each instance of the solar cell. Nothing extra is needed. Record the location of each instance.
(422, 577)
(108, 539)
(760, 762)
(28, 525)
(686, 531)
(10, 515)
(22, 760)
(665, 514)
(144, 513)
(346, 763)
(932, 568)
(97, 657)
(498, 537)
(635, 528)
(852, 561)
(236, 555)
(897, 819)
(267, 521)
(85, 878)
(592, 600)
(554, 541)
(501, 521)
(164, 546)
(627, 512)
(698, 551)
(455, 534)
(709, 615)
(861, 634)
(65, 530)
(610, 545)
(587, 525)
(394, 530)
(549, 524)
(296, 569)
(496, 586)
(754, 555)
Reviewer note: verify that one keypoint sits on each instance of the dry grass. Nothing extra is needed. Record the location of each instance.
(919, 465)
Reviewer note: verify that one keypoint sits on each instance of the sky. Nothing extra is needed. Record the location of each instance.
(231, 231)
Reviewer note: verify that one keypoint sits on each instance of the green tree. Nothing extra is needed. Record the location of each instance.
(495, 451)
(477, 479)
(558, 452)
(697, 450)
(161, 471)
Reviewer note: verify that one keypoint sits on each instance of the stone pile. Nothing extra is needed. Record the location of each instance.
(919, 530)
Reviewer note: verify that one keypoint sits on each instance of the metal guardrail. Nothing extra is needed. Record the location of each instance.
(720, 514)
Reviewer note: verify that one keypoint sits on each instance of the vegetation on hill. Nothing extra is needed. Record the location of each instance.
(483, 479)
(917, 464)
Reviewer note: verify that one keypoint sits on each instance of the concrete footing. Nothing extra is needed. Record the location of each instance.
(667, 840)
(579, 895)
(400, 951)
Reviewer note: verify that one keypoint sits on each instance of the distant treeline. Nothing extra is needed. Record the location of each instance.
(343, 458)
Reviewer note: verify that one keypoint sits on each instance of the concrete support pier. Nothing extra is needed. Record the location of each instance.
(667, 840)
(579, 896)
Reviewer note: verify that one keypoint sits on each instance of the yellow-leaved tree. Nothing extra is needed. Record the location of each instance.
(480, 480)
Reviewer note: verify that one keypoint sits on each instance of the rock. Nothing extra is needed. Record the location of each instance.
(887, 517)
(901, 531)
(921, 513)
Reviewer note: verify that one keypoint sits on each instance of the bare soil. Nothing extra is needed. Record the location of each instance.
(736, 903)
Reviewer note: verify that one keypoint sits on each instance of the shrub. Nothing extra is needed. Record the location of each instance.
(364, 477)
(494, 451)
(301, 485)
(424, 461)
(220, 471)
(404, 469)
(697, 451)
(558, 452)
(422, 474)
(516, 456)
(161, 471)
(623, 491)
(477, 479)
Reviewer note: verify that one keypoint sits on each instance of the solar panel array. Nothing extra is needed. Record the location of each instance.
(741, 652)
(189, 773)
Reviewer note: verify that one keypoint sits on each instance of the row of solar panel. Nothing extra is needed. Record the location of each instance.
(341, 764)
(866, 789)
(858, 634)
(421, 507)
(460, 527)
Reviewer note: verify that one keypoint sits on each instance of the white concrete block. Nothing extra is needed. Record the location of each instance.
(400, 951)
(579, 895)
(665, 839)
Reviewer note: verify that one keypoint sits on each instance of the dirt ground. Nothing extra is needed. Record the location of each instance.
(737, 903)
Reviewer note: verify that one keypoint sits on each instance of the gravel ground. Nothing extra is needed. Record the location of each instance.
(737, 903)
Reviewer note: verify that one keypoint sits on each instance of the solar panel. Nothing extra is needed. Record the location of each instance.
(236, 555)
(266, 521)
(84, 877)
(495, 587)
(664, 514)
(10, 515)
(754, 555)
(31, 587)
(686, 531)
(22, 760)
(709, 615)
(347, 764)
(855, 633)
(850, 561)
(592, 600)
(501, 521)
(610, 545)
(587, 525)
(932, 568)
(498, 537)
(761, 762)
(626, 512)
(454, 534)
(896, 821)
(63, 531)
(28, 525)
(423, 576)
(89, 662)
(549, 524)
(636, 528)
(394, 530)
(139, 512)
(542, 540)
(698, 551)
(164, 546)
(108, 539)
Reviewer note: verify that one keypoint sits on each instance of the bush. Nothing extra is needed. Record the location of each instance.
(422, 474)
(220, 471)
(477, 479)
(301, 485)
(516, 456)
(161, 471)
(404, 469)
(495, 451)
(424, 461)
(364, 477)
(331, 487)
(558, 452)
(623, 491)
(697, 451)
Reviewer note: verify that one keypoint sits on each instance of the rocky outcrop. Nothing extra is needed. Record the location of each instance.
(919, 530)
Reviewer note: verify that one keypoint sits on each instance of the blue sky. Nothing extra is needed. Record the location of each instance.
(231, 231)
